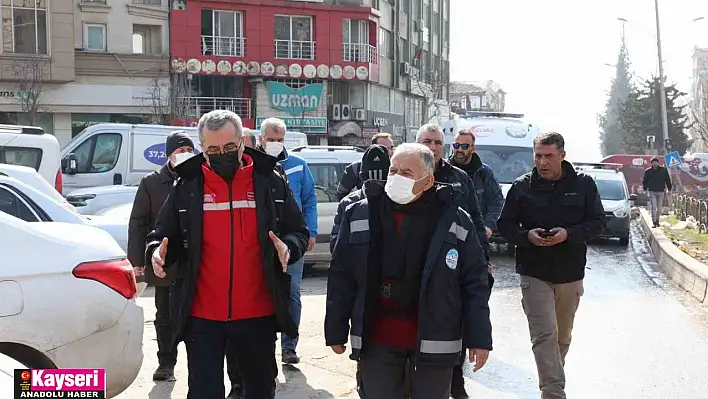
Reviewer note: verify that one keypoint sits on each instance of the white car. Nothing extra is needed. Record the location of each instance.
(7, 373)
(88, 201)
(33, 204)
(32, 178)
(67, 300)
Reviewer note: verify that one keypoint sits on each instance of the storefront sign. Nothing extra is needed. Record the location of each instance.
(294, 101)
(380, 122)
(304, 125)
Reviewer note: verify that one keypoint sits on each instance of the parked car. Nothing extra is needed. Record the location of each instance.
(30, 146)
(32, 178)
(327, 164)
(7, 373)
(90, 200)
(615, 196)
(68, 300)
(34, 204)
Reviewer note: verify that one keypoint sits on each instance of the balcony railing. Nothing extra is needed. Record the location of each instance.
(148, 2)
(358, 52)
(224, 46)
(294, 50)
(198, 106)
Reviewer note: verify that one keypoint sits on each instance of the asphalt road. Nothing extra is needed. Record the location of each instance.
(636, 336)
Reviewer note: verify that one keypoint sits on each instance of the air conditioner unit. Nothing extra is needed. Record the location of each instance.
(405, 68)
(335, 112)
(346, 112)
(359, 114)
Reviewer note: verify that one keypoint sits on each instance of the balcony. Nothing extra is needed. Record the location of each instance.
(224, 46)
(358, 52)
(198, 106)
(294, 50)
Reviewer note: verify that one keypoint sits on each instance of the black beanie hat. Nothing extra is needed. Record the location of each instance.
(176, 140)
(375, 163)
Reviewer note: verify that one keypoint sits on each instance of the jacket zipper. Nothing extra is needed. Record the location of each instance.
(231, 257)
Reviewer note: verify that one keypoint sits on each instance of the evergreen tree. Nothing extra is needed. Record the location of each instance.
(641, 117)
(611, 132)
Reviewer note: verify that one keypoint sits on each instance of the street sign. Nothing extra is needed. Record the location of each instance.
(302, 124)
(672, 159)
(294, 101)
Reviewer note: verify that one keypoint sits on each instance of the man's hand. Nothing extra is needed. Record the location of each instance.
(489, 232)
(478, 357)
(158, 259)
(560, 235)
(311, 244)
(339, 349)
(535, 238)
(283, 250)
(139, 271)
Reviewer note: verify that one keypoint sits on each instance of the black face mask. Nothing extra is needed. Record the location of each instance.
(225, 165)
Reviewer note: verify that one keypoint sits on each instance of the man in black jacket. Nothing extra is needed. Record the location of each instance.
(230, 226)
(656, 181)
(409, 274)
(152, 192)
(350, 180)
(549, 214)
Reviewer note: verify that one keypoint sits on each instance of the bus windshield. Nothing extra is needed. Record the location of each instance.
(507, 163)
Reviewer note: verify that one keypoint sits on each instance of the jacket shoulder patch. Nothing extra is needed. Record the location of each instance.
(451, 258)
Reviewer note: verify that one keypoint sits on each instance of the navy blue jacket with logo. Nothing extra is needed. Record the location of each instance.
(488, 190)
(454, 295)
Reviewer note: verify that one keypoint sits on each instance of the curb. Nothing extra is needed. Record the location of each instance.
(688, 273)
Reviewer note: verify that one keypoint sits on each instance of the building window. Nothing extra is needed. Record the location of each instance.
(355, 41)
(147, 39)
(222, 33)
(94, 37)
(385, 43)
(24, 27)
(293, 37)
(406, 6)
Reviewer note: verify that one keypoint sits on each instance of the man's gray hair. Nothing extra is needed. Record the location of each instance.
(216, 119)
(248, 133)
(276, 124)
(429, 127)
(427, 159)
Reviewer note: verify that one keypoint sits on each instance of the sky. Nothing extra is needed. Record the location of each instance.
(550, 56)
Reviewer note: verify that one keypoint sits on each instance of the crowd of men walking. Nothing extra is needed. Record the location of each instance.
(222, 234)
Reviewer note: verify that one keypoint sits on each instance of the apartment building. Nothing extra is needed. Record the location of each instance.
(339, 71)
(71, 63)
(699, 100)
(476, 96)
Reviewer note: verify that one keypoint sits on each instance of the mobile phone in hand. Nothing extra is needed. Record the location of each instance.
(546, 234)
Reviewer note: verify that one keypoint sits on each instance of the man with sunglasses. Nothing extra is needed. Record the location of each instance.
(230, 226)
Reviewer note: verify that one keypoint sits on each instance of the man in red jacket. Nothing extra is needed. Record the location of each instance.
(230, 225)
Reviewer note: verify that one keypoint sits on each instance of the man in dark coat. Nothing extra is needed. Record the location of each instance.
(656, 182)
(151, 194)
(351, 180)
(230, 226)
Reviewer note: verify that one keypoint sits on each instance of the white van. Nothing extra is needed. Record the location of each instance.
(30, 146)
(116, 153)
(504, 142)
(292, 139)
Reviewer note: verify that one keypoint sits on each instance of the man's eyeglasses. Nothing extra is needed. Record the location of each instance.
(464, 146)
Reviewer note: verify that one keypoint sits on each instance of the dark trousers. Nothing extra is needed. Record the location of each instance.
(166, 353)
(232, 364)
(253, 344)
(383, 375)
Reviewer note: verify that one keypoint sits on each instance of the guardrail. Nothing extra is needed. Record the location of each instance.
(684, 206)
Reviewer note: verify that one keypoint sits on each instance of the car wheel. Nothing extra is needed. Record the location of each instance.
(624, 241)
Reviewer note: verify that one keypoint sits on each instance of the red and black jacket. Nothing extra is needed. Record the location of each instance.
(181, 220)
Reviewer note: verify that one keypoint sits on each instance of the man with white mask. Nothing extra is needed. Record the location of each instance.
(302, 184)
(407, 282)
(151, 194)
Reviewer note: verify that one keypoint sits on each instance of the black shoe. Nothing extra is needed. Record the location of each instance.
(290, 357)
(457, 388)
(163, 373)
(236, 392)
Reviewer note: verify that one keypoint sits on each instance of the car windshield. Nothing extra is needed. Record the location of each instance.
(611, 190)
(507, 163)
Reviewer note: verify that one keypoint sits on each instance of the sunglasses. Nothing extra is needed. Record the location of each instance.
(464, 146)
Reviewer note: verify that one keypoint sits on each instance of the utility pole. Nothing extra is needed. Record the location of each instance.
(662, 89)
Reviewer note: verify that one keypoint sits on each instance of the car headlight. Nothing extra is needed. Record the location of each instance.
(621, 213)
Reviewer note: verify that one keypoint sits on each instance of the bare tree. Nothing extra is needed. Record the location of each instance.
(167, 98)
(29, 73)
(699, 115)
(434, 87)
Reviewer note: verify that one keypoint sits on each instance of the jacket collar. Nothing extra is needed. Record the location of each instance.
(472, 167)
(262, 163)
(569, 176)
(167, 173)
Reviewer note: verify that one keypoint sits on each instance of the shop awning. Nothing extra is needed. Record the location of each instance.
(343, 128)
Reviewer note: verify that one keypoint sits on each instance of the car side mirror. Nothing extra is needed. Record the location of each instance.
(70, 165)
(633, 197)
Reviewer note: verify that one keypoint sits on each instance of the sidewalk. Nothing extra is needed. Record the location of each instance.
(687, 272)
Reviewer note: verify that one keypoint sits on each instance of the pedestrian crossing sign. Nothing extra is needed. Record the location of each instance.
(672, 159)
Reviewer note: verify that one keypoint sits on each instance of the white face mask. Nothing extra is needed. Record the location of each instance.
(400, 189)
(273, 148)
(181, 157)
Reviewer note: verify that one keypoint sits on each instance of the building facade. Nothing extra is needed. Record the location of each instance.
(699, 101)
(337, 72)
(477, 96)
(78, 62)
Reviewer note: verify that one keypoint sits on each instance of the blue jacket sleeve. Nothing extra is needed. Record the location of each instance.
(308, 198)
(342, 288)
(475, 290)
(509, 223)
(495, 200)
